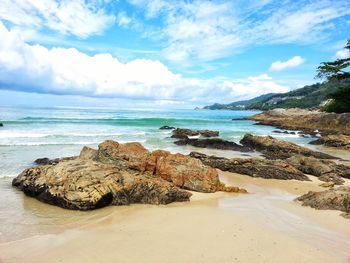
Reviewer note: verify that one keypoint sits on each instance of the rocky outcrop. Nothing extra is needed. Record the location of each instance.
(85, 184)
(308, 121)
(181, 133)
(336, 140)
(254, 167)
(188, 173)
(118, 174)
(278, 149)
(325, 170)
(166, 127)
(332, 199)
(1, 124)
(214, 143)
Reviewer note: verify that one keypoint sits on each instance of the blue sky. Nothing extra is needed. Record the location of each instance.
(162, 53)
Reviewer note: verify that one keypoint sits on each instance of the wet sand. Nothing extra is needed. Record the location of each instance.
(265, 225)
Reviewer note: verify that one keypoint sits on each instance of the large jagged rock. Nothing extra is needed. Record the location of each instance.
(332, 199)
(308, 121)
(325, 170)
(277, 169)
(118, 174)
(128, 155)
(214, 143)
(86, 184)
(181, 133)
(278, 149)
(188, 173)
(336, 140)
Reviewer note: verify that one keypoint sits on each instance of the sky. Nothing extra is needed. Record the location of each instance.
(163, 53)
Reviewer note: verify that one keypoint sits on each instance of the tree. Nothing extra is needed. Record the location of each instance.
(335, 70)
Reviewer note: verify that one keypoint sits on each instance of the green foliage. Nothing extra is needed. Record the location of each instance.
(340, 100)
(335, 70)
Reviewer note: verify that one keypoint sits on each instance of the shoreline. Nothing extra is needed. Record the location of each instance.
(211, 227)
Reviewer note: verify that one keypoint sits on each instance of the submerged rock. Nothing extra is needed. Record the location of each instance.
(181, 133)
(278, 149)
(118, 174)
(214, 143)
(42, 161)
(277, 169)
(332, 199)
(336, 140)
(1, 124)
(166, 127)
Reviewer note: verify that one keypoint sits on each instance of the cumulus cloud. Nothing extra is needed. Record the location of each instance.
(35, 68)
(342, 54)
(67, 17)
(290, 63)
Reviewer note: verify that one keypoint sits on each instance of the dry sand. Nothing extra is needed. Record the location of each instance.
(265, 225)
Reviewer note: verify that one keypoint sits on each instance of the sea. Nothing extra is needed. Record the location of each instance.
(31, 133)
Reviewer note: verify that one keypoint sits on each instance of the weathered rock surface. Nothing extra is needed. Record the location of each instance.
(188, 173)
(278, 149)
(277, 169)
(332, 199)
(181, 133)
(308, 121)
(336, 140)
(118, 174)
(85, 184)
(166, 127)
(214, 143)
(326, 170)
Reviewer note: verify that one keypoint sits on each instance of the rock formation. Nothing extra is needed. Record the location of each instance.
(276, 169)
(118, 174)
(308, 121)
(325, 170)
(278, 149)
(335, 140)
(181, 133)
(214, 143)
(332, 199)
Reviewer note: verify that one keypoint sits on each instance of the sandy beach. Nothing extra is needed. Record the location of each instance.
(265, 225)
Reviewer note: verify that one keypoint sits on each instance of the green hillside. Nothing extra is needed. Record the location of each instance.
(312, 96)
(239, 105)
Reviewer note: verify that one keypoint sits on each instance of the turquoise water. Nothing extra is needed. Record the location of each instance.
(31, 133)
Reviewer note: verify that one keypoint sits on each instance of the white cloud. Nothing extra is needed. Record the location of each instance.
(34, 68)
(290, 63)
(342, 54)
(67, 17)
(257, 85)
(123, 19)
(203, 30)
